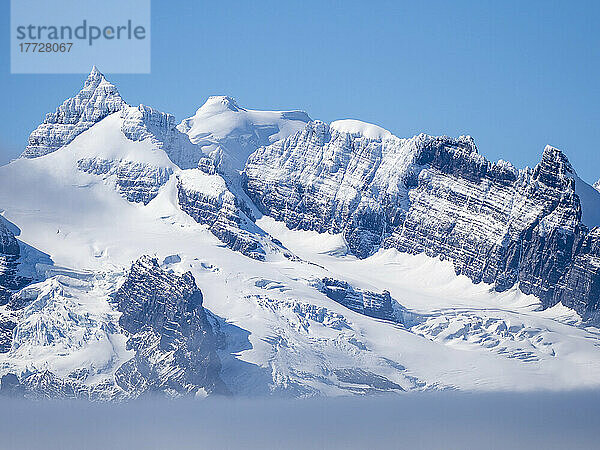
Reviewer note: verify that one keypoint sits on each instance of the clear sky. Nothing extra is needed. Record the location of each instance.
(515, 75)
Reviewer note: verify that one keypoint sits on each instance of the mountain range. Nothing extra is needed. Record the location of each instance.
(254, 253)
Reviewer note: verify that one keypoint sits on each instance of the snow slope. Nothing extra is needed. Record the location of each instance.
(365, 129)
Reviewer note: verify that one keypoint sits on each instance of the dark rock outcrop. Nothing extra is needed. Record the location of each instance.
(579, 287)
(10, 252)
(137, 182)
(204, 196)
(6, 330)
(174, 343)
(364, 302)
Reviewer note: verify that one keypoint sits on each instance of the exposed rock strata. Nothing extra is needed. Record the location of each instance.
(174, 343)
(435, 195)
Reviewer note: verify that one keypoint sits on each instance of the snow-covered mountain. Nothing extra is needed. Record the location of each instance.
(94, 102)
(134, 258)
(439, 196)
(230, 133)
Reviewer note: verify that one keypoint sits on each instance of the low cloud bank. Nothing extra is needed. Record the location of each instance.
(436, 420)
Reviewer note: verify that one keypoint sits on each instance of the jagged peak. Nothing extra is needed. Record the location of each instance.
(554, 169)
(552, 151)
(550, 148)
(464, 144)
(97, 99)
(557, 158)
(469, 141)
(95, 73)
(94, 80)
(97, 79)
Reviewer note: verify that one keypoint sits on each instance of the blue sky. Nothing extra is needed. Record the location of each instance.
(514, 75)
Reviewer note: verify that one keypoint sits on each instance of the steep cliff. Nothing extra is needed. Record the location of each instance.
(433, 195)
(174, 343)
(9, 256)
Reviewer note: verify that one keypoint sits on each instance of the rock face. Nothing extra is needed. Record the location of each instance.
(140, 181)
(174, 343)
(497, 225)
(579, 288)
(364, 302)
(94, 102)
(435, 195)
(204, 195)
(6, 330)
(136, 181)
(597, 185)
(145, 122)
(328, 180)
(9, 256)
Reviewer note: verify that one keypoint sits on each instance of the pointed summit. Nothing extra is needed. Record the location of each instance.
(95, 71)
(555, 156)
(94, 102)
(554, 169)
(95, 76)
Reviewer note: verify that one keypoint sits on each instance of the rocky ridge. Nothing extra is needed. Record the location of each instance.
(368, 303)
(434, 195)
(171, 343)
(431, 195)
(174, 343)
